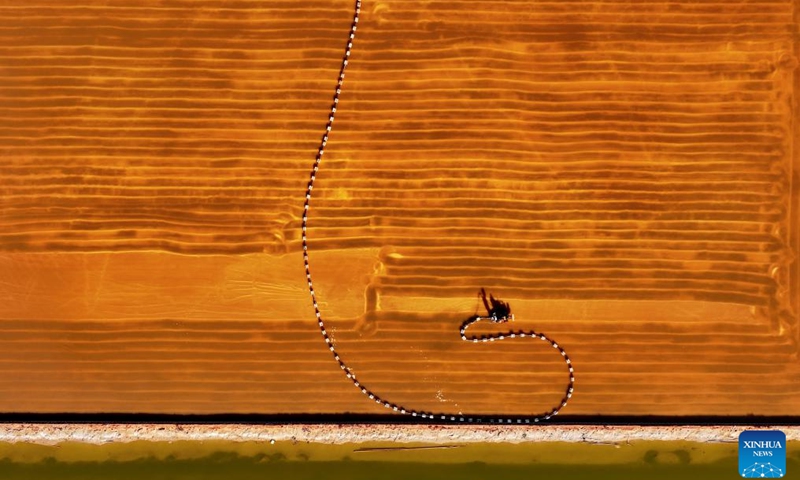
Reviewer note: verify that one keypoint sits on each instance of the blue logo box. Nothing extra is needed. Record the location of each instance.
(762, 454)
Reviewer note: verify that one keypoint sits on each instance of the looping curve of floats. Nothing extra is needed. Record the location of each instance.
(464, 326)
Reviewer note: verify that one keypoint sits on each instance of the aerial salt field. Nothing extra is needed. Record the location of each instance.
(494, 212)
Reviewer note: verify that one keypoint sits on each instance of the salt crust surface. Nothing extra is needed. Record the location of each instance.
(51, 434)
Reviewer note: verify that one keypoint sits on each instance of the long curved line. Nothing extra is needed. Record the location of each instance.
(464, 326)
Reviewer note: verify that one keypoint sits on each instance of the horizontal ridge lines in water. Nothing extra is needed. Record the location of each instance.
(499, 147)
(611, 359)
(445, 205)
(23, 66)
(631, 197)
(750, 103)
(280, 354)
(544, 388)
(254, 4)
(643, 60)
(600, 32)
(530, 28)
(506, 209)
(200, 118)
(543, 131)
(276, 343)
(749, 189)
(590, 282)
(479, 240)
(545, 385)
(485, 75)
(144, 329)
(631, 369)
(476, 161)
(252, 169)
(566, 264)
(547, 276)
(575, 234)
(210, 217)
(217, 217)
(110, 216)
(704, 87)
(761, 299)
(757, 14)
(276, 350)
(198, 122)
(536, 133)
(612, 47)
(231, 237)
(516, 251)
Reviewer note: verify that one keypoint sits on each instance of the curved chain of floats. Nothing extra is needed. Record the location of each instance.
(483, 338)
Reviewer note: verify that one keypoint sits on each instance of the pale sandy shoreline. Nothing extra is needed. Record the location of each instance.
(98, 434)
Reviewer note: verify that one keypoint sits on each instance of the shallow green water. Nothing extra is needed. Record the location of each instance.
(233, 467)
(656, 461)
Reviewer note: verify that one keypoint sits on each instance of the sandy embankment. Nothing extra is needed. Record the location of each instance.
(50, 434)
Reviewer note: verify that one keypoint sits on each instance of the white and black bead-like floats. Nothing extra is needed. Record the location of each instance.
(476, 339)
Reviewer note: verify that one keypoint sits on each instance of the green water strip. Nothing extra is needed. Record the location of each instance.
(302, 460)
